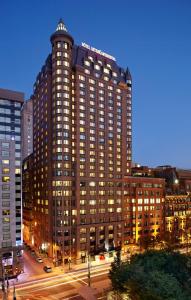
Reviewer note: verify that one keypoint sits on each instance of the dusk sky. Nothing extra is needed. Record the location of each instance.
(151, 37)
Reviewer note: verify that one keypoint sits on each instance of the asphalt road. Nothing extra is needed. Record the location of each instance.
(31, 266)
(71, 285)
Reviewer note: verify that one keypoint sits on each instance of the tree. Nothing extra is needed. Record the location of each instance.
(154, 275)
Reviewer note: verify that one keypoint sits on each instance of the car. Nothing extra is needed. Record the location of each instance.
(39, 259)
(19, 254)
(47, 269)
(33, 252)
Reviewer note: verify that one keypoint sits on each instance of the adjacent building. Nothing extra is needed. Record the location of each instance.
(143, 210)
(177, 200)
(81, 149)
(27, 128)
(27, 195)
(10, 178)
(177, 203)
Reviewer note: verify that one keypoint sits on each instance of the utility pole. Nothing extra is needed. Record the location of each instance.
(89, 270)
(14, 293)
(69, 263)
(3, 283)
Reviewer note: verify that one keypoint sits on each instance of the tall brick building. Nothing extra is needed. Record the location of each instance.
(81, 151)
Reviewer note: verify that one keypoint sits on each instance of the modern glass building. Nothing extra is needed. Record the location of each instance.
(10, 178)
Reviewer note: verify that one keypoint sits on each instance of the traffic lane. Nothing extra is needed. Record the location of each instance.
(59, 279)
(24, 281)
(31, 266)
(64, 291)
(31, 294)
(70, 284)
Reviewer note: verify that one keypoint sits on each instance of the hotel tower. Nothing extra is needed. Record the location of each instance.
(81, 151)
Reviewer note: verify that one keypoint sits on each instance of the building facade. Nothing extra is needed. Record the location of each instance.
(27, 128)
(177, 200)
(178, 218)
(82, 149)
(143, 210)
(10, 178)
(27, 197)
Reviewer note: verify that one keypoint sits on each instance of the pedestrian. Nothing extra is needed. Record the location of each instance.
(3, 287)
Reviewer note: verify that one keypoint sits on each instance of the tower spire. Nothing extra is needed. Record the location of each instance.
(61, 25)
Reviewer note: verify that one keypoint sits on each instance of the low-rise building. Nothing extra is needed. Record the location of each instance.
(143, 210)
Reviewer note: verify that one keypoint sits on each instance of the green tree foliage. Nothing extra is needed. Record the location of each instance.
(153, 275)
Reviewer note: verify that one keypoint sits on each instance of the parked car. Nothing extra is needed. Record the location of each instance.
(19, 253)
(39, 259)
(47, 269)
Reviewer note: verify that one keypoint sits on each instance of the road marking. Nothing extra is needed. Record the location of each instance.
(59, 284)
(71, 297)
(57, 277)
(78, 279)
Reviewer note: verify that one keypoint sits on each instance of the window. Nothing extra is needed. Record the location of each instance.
(92, 81)
(81, 77)
(5, 170)
(6, 220)
(5, 187)
(65, 45)
(5, 203)
(96, 67)
(87, 71)
(5, 145)
(5, 179)
(86, 63)
(6, 212)
(5, 153)
(105, 70)
(6, 236)
(5, 161)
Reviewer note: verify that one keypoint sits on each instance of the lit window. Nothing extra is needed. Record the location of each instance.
(86, 63)
(5, 179)
(96, 67)
(106, 71)
(81, 77)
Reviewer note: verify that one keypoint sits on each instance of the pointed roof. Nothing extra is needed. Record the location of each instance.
(61, 30)
(61, 26)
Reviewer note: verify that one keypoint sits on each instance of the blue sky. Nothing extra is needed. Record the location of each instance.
(151, 37)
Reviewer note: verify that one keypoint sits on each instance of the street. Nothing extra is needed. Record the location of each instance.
(35, 284)
(65, 286)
